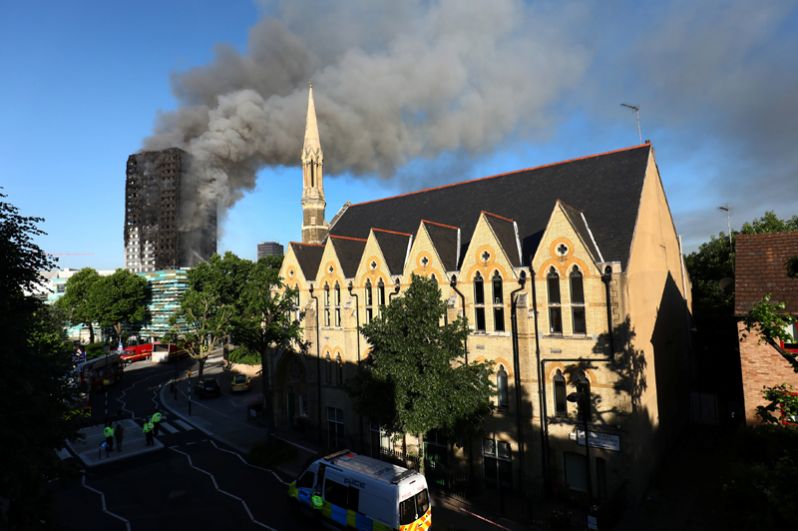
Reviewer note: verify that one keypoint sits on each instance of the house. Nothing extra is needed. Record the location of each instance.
(760, 269)
(568, 272)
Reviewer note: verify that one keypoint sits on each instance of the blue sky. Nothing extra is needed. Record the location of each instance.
(85, 81)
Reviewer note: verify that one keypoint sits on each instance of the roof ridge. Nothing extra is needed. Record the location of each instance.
(351, 238)
(496, 176)
(497, 216)
(438, 224)
(391, 231)
(307, 244)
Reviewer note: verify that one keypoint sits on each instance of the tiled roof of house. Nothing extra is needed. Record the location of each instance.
(760, 268)
(606, 187)
(309, 257)
(349, 251)
(444, 238)
(579, 222)
(394, 248)
(505, 232)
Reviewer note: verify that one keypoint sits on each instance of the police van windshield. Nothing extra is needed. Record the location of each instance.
(413, 508)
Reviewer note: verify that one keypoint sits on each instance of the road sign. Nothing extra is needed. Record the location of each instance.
(598, 439)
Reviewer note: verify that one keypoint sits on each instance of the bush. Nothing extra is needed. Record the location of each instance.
(95, 350)
(243, 355)
(271, 452)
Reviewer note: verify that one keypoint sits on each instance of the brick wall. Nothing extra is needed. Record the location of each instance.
(762, 366)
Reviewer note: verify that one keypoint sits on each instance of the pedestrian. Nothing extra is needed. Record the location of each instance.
(108, 433)
(148, 433)
(119, 435)
(156, 422)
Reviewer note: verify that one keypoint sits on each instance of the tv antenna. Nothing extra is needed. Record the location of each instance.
(636, 109)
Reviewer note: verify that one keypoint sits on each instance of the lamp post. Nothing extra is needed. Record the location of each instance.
(727, 210)
(582, 398)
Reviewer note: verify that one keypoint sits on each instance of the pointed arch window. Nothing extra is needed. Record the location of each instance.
(326, 305)
(560, 401)
(501, 387)
(498, 302)
(369, 302)
(339, 370)
(381, 294)
(328, 369)
(337, 301)
(555, 309)
(577, 302)
(587, 401)
(312, 174)
(479, 303)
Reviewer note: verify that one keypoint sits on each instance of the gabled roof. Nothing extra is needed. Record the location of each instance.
(309, 257)
(504, 229)
(444, 238)
(761, 268)
(394, 248)
(579, 222)
(606, 187)
(349, 251)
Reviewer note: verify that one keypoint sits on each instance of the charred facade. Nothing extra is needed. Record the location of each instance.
(156, 234)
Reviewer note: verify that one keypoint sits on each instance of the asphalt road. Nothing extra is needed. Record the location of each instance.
(193, 483)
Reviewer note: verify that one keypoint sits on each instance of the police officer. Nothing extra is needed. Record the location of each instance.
(108, 433)
(147, 429)
(156, 422)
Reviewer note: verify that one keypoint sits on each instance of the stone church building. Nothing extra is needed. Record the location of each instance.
(568, 273)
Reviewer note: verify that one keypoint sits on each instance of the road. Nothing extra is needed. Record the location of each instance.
(194, 482)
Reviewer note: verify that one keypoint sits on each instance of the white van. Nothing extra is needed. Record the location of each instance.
(361, 492)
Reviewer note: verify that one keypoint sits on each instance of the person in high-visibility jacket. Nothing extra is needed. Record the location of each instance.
(108, 433)
(147, 429)
(156, 422)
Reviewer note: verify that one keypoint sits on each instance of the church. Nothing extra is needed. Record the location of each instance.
(572, 281)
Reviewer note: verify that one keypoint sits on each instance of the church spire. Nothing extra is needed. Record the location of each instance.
(314, 229)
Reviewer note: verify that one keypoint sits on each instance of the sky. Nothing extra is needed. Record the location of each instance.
(409, 94)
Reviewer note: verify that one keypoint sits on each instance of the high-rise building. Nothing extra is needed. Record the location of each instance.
(156, 235)
(269, 249)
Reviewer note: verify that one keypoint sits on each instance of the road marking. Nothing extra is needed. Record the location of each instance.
(185, 425)
(128, 388)
(216, 486)
(491, 522)
(168, 428)
(272, 472)
(102, 499)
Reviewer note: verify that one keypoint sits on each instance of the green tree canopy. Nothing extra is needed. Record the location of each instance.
(417, 367)
(37, 400)
(76, 301)
(120, 301)
(770, 222)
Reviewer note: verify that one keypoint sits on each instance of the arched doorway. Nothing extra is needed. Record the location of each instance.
(290, 389)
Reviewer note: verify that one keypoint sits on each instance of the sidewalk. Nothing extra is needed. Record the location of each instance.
(89, 452)
(226, 419)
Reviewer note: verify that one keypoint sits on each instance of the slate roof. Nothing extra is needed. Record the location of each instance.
(349, 251)
(505, 233)
(579, 221)
(606, 187)
(760, 268)
(309, 257)
(394, 248)
(444, 238)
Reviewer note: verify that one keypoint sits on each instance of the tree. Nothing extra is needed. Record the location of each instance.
(37, 412)
(266, 321)
(770, 222)
(120, 301)
(204, 321)
(420, 363)
(76, 302)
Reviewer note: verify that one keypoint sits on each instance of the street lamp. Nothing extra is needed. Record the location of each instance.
(726, 208)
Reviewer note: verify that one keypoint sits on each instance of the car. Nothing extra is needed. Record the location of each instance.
(240, 383)
(208, 388)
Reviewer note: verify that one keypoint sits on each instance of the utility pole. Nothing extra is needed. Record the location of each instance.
(636, 109)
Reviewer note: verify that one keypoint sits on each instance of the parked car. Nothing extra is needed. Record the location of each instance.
(240, 383)
(208, 388)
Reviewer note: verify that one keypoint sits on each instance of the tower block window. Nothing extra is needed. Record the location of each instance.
(578, 302)
(555, 309)
(479, 303)
(498, 303)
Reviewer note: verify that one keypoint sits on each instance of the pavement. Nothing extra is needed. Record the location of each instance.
(226, 419)
(88, 448)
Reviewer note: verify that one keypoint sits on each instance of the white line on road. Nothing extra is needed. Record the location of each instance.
(216, 486)
(168, 428)
(272, 472)
(123, 400)
(185, 425)
(102, 499)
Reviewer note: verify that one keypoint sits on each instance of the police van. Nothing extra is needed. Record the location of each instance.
(357, 491)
